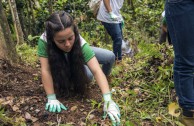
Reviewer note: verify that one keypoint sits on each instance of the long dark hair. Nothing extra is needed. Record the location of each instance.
(67, 69)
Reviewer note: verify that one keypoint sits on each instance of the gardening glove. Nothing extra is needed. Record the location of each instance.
(113, 16)
(111, 109)
(53, 105)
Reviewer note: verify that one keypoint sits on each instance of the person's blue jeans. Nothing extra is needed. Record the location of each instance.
(115, 31)
(180, 23)
(106, 58)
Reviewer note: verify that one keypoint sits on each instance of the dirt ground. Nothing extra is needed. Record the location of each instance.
(22, 95)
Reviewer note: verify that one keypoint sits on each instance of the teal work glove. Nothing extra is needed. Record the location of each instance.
(111, 109)
(122, 24)
(113, 16)
(53, 105)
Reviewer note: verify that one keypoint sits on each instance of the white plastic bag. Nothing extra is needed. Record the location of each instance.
(126, 47)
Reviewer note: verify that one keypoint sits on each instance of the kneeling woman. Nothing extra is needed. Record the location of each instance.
(68, 64)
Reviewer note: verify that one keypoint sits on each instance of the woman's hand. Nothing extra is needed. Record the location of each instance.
(53, 105)
(111, 109)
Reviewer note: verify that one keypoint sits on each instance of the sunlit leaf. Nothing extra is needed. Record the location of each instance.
(172, 107)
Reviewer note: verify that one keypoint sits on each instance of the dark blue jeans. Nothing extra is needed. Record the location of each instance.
(115, 31)
(180, 23)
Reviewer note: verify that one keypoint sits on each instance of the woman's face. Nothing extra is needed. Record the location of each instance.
(65, 39)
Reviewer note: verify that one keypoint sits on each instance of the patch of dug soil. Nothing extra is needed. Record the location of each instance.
(22, 95)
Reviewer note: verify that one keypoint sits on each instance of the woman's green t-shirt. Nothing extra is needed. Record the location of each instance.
(88, 53)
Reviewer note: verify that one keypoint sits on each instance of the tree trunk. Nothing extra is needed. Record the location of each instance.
(3, 51)
(16, 21)
(23, 22)
(7, 47)
(32, 17)
(22, 17)
(29, 26)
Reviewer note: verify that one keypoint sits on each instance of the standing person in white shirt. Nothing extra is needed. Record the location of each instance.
(109, 15)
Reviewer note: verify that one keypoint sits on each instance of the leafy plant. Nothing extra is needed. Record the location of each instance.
(27, 53)
(4, 119)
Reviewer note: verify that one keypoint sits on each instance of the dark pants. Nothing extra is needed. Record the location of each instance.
(180, 22)
(115, 31)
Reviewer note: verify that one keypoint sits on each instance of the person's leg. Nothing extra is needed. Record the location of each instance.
(115, 31)
(180, 22)
(88, 73)
(106, 58)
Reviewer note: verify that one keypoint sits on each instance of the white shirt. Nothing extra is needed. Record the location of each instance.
(103, 15)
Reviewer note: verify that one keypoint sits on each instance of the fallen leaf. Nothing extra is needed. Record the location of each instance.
(28, 116)
(26, 107)
(137, 91)
(34, 119)
(37, 110)
(172, 107)
(82, 124)
(2, 100)
(73, 108)
(31, 108)
(9, 102)
(36, 124)
(22, 100)
(136, 82)
(15, 108)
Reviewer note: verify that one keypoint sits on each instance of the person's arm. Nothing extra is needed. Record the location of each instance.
(46, 76)
(53, 105)
(109, 10)
(98, 75)
(107, 5)
(110, 107)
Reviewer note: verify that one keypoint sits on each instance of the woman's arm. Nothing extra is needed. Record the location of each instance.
(110, 107)
(107, 5)
(53, 105)
(98, 75)
(46, 76)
